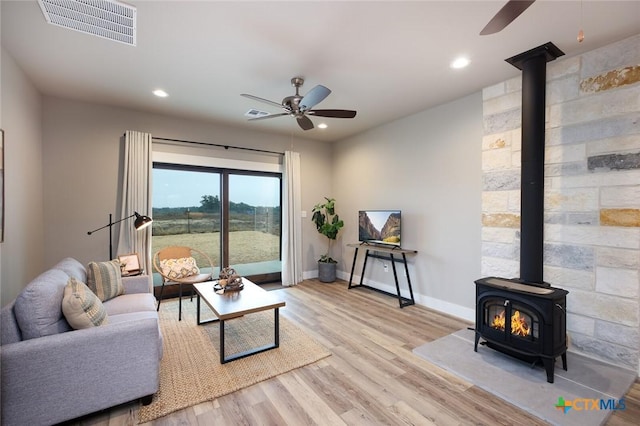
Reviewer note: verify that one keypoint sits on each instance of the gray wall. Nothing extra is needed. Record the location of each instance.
(82, 148)
(433, 158)
(62, 172)
(21, 252)
(429, 166)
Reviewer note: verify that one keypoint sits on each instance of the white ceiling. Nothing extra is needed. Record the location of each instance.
(385, 59)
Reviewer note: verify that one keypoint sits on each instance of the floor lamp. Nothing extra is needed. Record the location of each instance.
(141, 222)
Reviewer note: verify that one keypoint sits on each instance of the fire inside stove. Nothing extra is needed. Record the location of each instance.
(513, 318)
(519, 323)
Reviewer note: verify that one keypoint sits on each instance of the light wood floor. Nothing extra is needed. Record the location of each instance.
(371, 378)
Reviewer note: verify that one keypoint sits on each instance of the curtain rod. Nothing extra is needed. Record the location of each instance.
(218, 145)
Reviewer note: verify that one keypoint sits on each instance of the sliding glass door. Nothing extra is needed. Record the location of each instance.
(187, 210)
(254, 225)
(233, 216)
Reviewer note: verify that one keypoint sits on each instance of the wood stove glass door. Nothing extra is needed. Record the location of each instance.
(522, 322)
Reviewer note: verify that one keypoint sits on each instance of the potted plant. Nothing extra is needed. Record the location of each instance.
(327, 223)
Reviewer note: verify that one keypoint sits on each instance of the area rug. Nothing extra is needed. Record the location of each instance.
(190, 371)
(562, 402)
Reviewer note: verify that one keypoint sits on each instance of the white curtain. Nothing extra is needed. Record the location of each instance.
(136, 196)
(292, 222)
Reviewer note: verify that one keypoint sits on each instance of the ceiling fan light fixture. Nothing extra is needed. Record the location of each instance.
(160, 93)
(300, 107)
(459, 63)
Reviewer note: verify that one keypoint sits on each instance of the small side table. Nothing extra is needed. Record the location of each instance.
(388, 254)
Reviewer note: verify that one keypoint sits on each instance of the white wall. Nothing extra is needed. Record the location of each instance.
(429, 166)
(82, 148)
(22, 251)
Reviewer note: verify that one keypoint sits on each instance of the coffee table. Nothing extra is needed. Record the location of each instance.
(234, 304)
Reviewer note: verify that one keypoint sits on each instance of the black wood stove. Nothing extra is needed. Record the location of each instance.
(523, 320)
(526, 317)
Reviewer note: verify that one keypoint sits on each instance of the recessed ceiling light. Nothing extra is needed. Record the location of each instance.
(160, 93)
(461, 62)
(322, 126)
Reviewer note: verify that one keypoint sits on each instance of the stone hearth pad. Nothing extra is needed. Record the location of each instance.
(516, 382)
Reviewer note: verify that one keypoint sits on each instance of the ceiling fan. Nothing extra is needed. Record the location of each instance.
(300, 107)
(506, 15)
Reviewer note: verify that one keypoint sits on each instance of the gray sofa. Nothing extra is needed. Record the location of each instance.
(51, 373)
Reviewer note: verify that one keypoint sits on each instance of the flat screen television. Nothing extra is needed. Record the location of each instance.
(379, 227)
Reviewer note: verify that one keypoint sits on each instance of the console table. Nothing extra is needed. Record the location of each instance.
(386, 253)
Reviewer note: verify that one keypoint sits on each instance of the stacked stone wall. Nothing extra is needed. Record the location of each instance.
(592, 194)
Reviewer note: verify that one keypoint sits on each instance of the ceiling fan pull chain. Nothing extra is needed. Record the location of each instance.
(580, 33)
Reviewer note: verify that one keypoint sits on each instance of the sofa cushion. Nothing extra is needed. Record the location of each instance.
(179, 268)
(138, 284)
(105, 279)
(73, 268)
(38, 308)
(136, 302)
(81, 307)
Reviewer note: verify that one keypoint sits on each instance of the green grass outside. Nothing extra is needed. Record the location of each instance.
(244, 246)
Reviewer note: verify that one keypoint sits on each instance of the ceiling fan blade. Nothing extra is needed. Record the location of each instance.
(506, 15)
(266, 101)
(269, 116)
(333, 113)
(304, 122)
(314, 97)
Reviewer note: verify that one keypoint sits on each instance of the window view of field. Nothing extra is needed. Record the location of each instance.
(185, 215)
(254, 234)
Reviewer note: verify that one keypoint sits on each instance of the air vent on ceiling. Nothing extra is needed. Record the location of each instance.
(108, 19)
(255, 113)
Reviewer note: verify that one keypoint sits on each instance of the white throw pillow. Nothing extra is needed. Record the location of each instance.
(179, 268)
(81, 307)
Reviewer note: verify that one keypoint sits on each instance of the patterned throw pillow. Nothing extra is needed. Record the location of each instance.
(179, 268)
(81, 307)
(105, 279)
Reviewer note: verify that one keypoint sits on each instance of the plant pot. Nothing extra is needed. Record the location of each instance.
(327, 272)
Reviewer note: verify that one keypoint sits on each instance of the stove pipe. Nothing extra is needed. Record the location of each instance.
(533, 64)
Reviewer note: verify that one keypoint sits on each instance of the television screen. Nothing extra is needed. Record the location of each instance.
(379, 226)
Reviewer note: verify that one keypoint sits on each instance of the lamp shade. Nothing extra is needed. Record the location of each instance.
(141, 221)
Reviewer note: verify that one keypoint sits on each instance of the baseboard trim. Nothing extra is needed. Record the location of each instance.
(443, 306)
